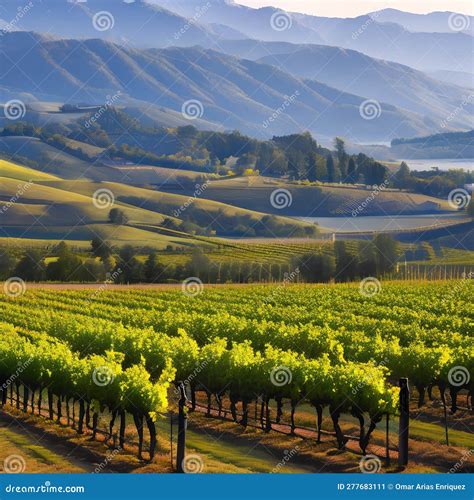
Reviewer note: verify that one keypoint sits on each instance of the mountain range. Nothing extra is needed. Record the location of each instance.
(230, 92)
(354, 72)
(262, 71)
(434, 42)
(441, 44)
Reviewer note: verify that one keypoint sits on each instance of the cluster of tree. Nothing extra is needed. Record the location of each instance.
(65, 267)
(127, 265)
(450, 138)
(432, 182)
(351, 262)
(297, 156)
(422, 251)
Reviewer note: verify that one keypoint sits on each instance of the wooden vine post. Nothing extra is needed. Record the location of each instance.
(403, 429)
(182, 427)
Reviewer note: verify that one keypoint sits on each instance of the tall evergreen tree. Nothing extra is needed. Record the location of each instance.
(352, 174)
(402, 177)
(340, 146)
(312, 167)
(101, 248)
(7, 264)
(331, 169)
(154, 270)
(131, 269)
(386, 251)
(31, 266)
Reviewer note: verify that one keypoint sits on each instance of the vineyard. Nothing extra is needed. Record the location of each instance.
(335, 348)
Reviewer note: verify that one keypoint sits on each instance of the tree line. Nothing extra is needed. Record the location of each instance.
(297, 156)
(341, 261)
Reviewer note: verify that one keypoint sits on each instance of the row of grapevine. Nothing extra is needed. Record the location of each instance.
(333, 347)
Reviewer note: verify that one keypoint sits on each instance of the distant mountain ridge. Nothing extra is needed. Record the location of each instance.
(136, 24)
(164, 23)
(234, 93)
(448, 50)
(354, 72)
(440, 22)
(333, 80)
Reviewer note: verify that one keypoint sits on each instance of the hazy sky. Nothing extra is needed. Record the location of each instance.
(351, 8)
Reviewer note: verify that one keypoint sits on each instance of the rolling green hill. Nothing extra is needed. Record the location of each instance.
(59, 206)
(46, 212)
(53, 161)
(149, 174)
(14, 171)
(254, 193)
(51, 208)
(168, 203)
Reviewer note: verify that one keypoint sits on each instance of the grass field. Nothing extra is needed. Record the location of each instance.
(319, 200)
(14, 171)
(53, 208)
(53, 161)
(146, 174)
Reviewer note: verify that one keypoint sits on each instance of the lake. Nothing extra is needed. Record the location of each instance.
(441, 164)
(383, 222)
